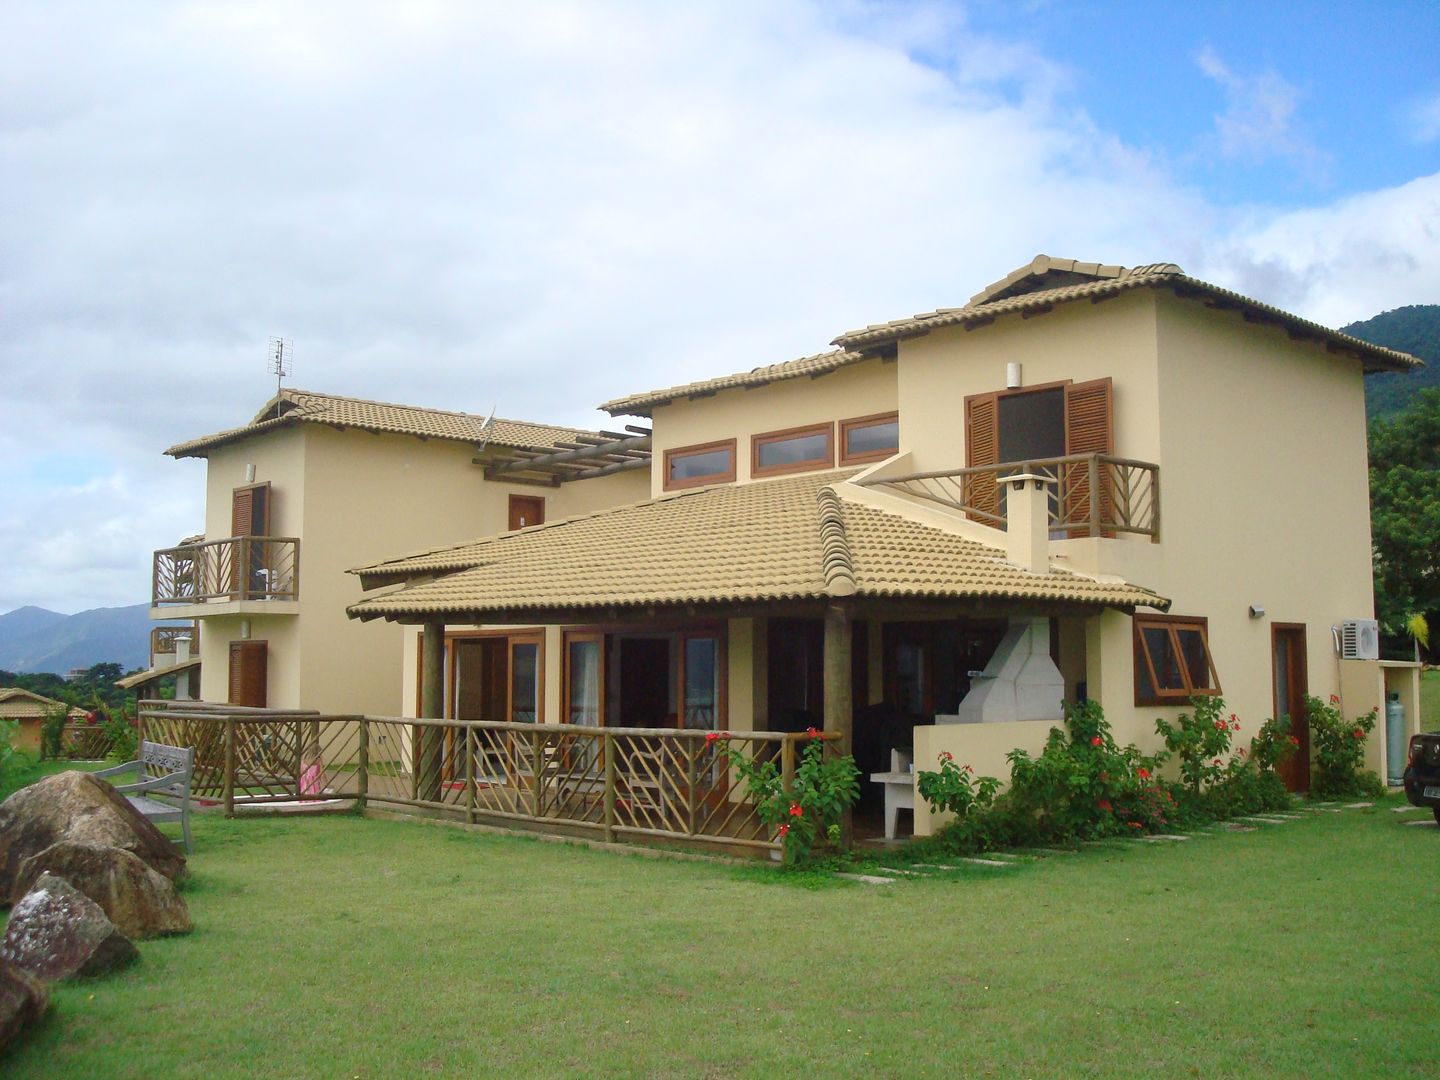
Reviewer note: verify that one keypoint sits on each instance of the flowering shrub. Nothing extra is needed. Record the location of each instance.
(823, 789)
(1273, 744)
(123, 736)
(956, 789)
(1339, 748)
(1082, 784)
(1201, 742)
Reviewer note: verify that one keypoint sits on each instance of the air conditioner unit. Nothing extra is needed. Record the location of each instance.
(1360, 639)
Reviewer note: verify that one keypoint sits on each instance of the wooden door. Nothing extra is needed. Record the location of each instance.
(248, 673)
(1290, 688)
(526, 510)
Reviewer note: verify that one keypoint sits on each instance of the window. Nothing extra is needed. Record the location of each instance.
(792, 450)
(869, 438)
(1172, 660)
(693, 466)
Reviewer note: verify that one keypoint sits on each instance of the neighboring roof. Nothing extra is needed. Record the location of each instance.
(296, 406)
(1046, 282)
(820, 364)
(17, 704)
(772, 540)
(132, 681)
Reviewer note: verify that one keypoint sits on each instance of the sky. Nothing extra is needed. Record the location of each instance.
(533, 208)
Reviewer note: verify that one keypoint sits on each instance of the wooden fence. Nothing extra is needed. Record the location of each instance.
(613, 783)
(84, 742)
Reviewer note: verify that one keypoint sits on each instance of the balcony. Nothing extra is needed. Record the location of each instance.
(1127, 502)
(163, 642)
(240, 575)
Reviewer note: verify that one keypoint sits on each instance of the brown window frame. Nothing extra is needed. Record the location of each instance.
(1172, 624)
(765, 438)
(523, 499)
(696, 449)
(861, 422)
(512, 638)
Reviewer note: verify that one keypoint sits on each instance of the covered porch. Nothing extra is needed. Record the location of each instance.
(770, 607)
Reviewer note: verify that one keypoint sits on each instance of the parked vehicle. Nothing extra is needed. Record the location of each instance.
(1422, 773)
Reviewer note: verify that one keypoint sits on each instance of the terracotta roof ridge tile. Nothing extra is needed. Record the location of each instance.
(835, 557)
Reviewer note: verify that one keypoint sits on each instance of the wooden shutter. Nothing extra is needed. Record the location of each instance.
(250, 511)
(248, 673)
(526, 510)
(1089, 429)
(982, 448)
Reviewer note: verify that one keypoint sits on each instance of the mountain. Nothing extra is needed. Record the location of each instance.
(1415, 330)
(33, 639)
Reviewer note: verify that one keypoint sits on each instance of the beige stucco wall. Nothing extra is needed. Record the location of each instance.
(861, 390)
(353, 498)
(1261, 446)
(1075, 341)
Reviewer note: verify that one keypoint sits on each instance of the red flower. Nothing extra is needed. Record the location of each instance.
(813, 732)
(1358, 733)
(969, 770)
(795, 810)
(1236, 725)
(1144, 774)
(1294, 740)
(711, 736)
(1334, 700)
(1219, 725)
(1104, 804)
(1133, 824)
(945, 755)
(1232, 718)
(1096, 741)
(91, 718)
(784, 829)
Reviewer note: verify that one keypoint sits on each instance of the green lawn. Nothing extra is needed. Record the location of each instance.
(344, 947)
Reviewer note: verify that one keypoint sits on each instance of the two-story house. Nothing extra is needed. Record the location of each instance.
(314, 484)
(1123, 485)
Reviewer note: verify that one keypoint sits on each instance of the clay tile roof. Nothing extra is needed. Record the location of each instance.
(773, 540)
(297, 406)
(17, 704)
(1047, 281)
(819, 364)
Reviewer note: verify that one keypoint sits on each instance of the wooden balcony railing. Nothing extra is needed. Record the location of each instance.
(1092, 494)
(163, 638)
(638, 784)
(237, 568)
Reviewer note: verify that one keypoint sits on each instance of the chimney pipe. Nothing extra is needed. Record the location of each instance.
(1027, 521)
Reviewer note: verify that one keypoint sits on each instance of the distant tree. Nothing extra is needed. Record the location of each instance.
(1414, 330)
(101, 674)
(1405, 512)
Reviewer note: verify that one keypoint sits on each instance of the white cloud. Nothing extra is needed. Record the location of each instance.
(1258, 123)
(535, 208)
(1425, 120)
(1339, 263)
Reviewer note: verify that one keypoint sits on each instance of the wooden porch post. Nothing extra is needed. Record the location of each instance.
(839, 708)
(432, 707)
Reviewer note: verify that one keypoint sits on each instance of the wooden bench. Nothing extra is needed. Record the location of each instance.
(179, 764)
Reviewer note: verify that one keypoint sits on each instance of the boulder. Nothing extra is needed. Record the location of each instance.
(23, 1000)
(140, 902)
(57, 932)
(77, 806)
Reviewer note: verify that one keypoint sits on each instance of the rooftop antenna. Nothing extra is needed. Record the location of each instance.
(485, 430)
(282, 361)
